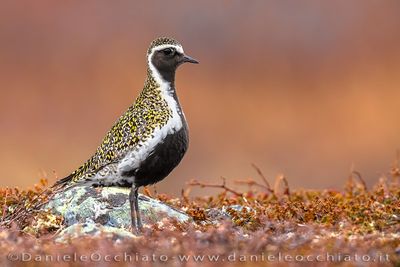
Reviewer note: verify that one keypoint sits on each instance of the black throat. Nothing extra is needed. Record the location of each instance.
(168, 76)
(167, 72)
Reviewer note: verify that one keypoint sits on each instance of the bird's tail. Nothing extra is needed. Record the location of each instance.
(63, 182)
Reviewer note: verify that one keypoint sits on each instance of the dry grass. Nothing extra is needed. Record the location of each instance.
(357, 222)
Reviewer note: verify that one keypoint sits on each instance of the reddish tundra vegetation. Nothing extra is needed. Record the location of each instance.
(263, 224)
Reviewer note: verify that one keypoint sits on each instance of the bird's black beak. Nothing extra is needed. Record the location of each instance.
(189, 59)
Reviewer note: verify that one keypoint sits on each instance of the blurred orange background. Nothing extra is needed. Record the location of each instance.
(303, 88)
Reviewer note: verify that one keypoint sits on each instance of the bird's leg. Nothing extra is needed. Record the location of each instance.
(138, 218)
(134, 212)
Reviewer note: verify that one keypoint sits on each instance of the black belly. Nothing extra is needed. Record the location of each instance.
(165, 157)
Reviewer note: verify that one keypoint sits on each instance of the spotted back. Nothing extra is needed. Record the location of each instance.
(150, 111)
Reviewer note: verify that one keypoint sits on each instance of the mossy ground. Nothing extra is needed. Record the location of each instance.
(355, 226)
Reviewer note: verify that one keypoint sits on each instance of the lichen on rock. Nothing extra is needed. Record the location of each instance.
(108, 207)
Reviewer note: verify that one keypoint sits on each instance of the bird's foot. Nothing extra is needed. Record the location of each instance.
(136, 225)
(136, 230)
(139, 226)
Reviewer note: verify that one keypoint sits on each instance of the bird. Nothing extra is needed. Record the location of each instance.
(149, 140)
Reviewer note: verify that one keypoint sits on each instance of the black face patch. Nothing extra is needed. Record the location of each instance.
(166, 61)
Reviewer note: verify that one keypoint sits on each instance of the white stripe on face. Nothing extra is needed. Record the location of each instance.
(155, 72)
(178, 48)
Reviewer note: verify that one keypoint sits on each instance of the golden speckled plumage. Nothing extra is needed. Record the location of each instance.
(162, 41)
(137, 124)
(149, 140)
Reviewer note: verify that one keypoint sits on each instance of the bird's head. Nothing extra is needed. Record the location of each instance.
(164, 56)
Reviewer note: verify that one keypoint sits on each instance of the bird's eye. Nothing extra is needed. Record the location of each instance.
(168, 51)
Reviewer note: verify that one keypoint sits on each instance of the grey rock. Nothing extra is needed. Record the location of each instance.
(216, 215)
(238, 208)
(108, 207)
(94, 230)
